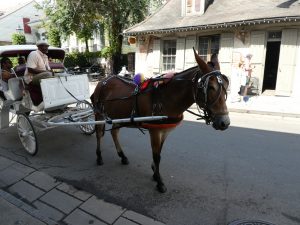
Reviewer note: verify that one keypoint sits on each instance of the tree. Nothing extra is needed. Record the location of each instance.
(53, 36)
(69, 18)
(18, 39)
(117, 16)
(84, 16)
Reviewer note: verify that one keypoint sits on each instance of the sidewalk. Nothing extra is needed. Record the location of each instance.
(30, 197)
(268, 105)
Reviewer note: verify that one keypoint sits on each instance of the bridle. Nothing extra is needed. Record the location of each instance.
(201, 87)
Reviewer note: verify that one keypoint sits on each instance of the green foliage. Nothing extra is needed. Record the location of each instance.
(18, 39)
(107, 52)
(83, 17)
(72, 17)
(53, 36)
(81, 59)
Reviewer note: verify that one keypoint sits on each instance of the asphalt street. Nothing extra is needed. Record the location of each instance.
(250, 171)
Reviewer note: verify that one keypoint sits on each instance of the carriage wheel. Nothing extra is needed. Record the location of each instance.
(90, 128)
(27, 134)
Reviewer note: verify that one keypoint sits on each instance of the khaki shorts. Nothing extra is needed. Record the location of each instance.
(37, 77)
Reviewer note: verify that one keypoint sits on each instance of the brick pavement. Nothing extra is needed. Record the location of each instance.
(28, 196)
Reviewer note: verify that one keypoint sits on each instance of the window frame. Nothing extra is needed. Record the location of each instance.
(209, 51)
(193, 7)
(173, 61)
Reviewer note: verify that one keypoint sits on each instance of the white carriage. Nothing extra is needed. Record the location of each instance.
(65, 101)
(64, 97)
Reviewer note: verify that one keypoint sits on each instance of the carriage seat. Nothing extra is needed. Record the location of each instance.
(15, 90)
(56, 66)
(20, 70)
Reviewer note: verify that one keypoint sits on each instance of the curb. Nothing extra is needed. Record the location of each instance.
(259, 112)
(268, 113)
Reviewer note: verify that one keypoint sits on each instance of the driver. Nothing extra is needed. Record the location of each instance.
(37, 68)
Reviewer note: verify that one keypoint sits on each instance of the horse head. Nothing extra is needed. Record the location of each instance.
(211, 94)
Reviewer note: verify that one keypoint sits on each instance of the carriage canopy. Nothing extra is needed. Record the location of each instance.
(24, 50)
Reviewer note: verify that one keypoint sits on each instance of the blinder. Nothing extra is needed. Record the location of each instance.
(201, 87)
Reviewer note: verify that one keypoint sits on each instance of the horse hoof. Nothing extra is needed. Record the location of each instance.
(161, 188)
(125, 161)
(99, 162)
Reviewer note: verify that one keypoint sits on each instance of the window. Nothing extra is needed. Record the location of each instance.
(169, 55)
(208, 46)
(193, 6)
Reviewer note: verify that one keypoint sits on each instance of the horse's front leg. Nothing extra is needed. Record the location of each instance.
(100, 129)
(115, 135)
(157, 140)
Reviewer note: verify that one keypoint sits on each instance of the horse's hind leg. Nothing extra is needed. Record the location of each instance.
(157, 140)
(115, 136)
(100, 129)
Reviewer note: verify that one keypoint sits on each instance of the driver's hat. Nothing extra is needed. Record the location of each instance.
(42, 42)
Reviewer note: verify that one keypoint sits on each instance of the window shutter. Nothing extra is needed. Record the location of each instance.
(287, 62)
(258, 50)
(225, 53)
(179, 62)
(296, 88)
(156, 55)
(226, 48)
(189, 58)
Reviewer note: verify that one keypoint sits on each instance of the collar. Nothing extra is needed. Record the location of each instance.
(40, 53)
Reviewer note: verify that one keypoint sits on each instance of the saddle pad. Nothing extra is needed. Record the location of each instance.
(165, 124)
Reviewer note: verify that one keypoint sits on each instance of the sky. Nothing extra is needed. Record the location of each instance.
(10, 4)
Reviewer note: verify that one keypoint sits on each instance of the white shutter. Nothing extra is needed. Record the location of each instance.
(225, 53)
(296, 89)
(179, 61)
(226, 48)
(189, 58)
(287, 62)
(156, 55)
(258, 50)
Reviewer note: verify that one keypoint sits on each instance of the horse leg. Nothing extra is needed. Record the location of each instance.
(157, 140)
(115, 135)
(100, 129)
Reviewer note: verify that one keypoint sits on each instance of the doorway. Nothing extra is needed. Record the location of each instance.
(271, 65)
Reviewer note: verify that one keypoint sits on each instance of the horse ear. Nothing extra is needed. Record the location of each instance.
(203, 66)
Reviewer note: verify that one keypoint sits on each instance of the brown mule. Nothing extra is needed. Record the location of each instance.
(116, 98)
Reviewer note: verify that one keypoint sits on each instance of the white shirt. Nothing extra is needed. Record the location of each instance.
(36, 60)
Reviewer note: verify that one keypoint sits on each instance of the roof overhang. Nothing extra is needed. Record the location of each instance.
(224, 25)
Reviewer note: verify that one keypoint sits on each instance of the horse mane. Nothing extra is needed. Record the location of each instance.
(182, 73)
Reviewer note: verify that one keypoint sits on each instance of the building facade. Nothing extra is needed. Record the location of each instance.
(268, 30)
(18, 21)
